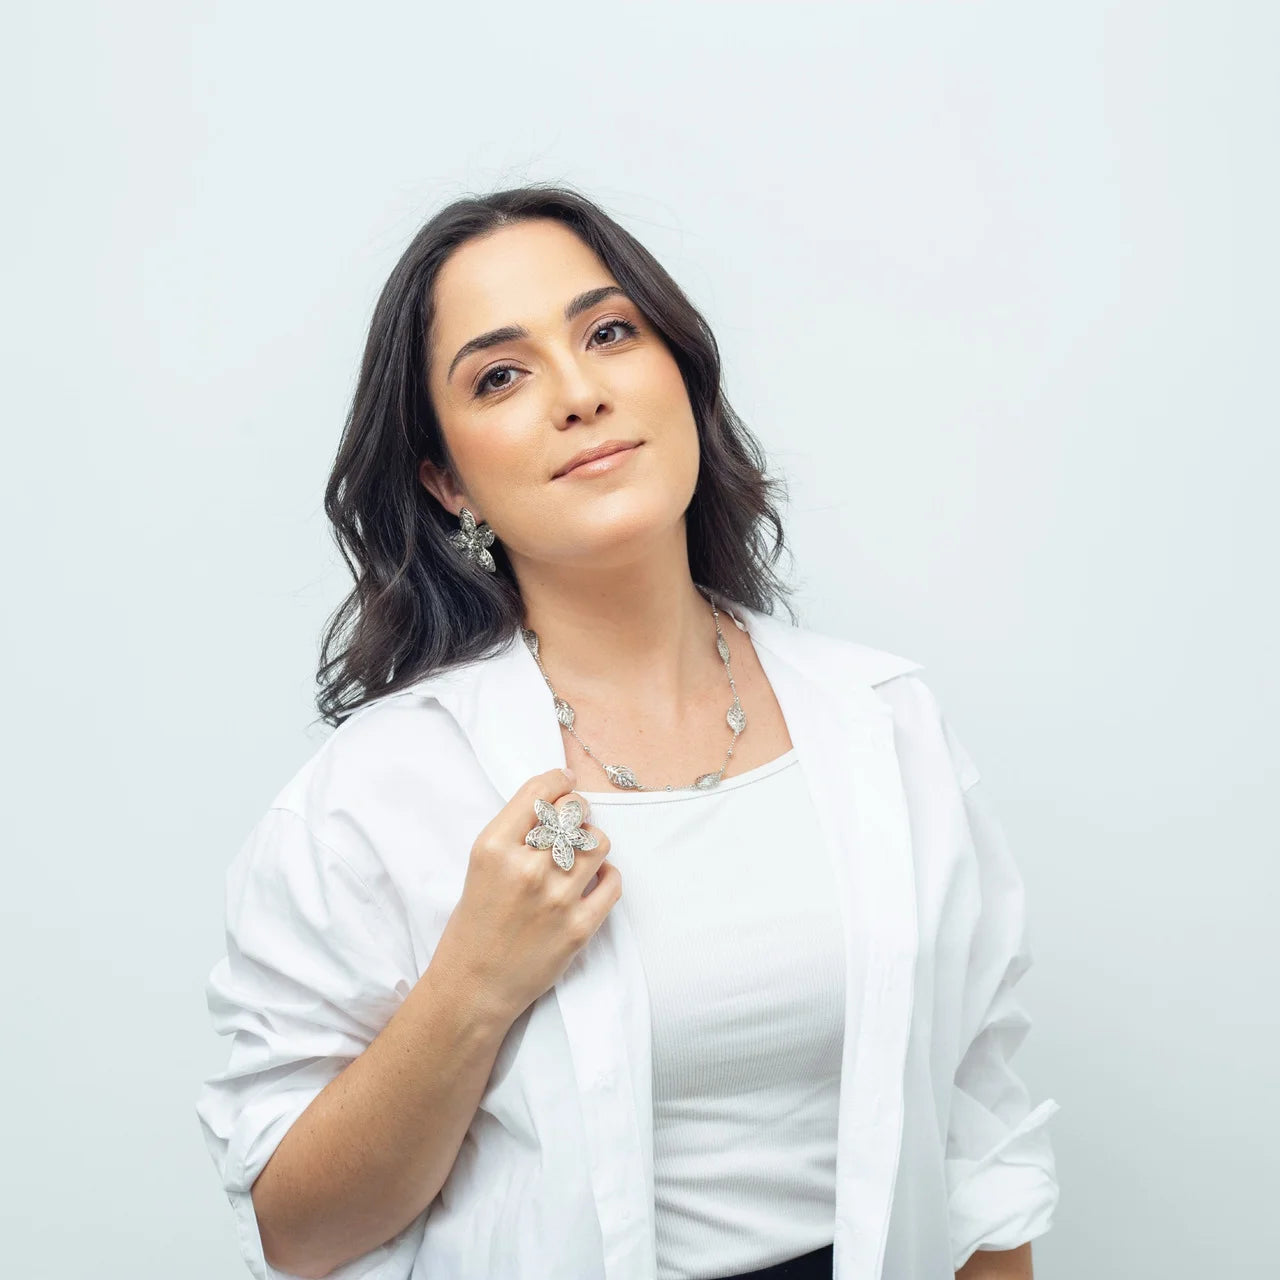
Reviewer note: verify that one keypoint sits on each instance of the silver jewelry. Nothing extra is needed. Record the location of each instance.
(560, 830)
(474, 540)
(619, 774)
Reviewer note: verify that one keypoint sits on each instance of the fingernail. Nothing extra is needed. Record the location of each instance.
(569, 773)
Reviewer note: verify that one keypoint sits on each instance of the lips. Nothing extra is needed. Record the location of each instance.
(600, 451)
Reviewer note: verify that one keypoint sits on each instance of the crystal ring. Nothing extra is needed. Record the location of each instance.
(560, 830)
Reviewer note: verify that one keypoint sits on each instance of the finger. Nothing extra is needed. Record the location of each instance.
(552, 786)
(602, 892)
(549, 786)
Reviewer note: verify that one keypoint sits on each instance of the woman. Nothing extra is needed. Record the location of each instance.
(459, 1048)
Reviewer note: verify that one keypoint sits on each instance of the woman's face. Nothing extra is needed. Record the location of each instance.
(515, 408)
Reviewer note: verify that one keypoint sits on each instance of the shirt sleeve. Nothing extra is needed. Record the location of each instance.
(1000, 1173)
(309, 978)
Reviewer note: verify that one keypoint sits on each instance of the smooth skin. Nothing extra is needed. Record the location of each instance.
(603, 570)
(998, 1264)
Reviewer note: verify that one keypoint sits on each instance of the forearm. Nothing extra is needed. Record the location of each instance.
(375, 1146)
(998, 1264)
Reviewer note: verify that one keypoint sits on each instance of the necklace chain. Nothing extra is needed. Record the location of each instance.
(621, 775)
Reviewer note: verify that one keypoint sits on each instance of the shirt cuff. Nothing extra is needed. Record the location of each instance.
(1009, 1195)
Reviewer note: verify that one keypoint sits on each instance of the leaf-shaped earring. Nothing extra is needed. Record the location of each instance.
(474, 540)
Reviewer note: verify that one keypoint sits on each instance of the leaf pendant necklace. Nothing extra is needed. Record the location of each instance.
(623, 776)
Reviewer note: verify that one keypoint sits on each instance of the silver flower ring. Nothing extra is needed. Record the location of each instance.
(560, 830)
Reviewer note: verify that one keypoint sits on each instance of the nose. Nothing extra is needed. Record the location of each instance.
(581, 397)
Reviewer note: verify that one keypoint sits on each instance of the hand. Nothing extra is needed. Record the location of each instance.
(521, 918)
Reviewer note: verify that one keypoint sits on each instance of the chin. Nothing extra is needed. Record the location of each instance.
(618, 532)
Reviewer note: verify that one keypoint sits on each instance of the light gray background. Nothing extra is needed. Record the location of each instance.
(996, 285)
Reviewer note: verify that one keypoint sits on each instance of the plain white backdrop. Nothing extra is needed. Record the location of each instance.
(995, 285)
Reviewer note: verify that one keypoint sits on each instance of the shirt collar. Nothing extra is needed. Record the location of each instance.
(505, 709)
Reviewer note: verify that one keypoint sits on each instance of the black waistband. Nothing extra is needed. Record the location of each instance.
(808, 1266)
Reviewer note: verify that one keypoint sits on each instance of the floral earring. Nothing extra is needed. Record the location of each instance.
(474, 540)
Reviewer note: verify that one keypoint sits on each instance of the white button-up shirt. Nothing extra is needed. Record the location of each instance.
(340, 893)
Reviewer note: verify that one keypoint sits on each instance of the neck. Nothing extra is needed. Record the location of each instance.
(637, 635)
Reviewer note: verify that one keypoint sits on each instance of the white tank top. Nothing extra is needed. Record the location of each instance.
(733, 902)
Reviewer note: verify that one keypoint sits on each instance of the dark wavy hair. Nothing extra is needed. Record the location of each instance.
(419, 604)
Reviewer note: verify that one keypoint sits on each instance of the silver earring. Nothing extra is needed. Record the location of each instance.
(474, 540)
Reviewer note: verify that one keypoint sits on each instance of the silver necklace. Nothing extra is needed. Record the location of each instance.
(619, 774)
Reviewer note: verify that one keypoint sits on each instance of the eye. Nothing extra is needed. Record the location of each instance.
(625, 325)
(486, 388)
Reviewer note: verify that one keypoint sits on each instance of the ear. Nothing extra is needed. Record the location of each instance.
(439, 482)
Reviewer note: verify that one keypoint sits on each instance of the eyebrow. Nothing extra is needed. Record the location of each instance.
(514, 332)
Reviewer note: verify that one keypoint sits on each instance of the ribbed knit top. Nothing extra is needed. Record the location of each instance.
(733, 901)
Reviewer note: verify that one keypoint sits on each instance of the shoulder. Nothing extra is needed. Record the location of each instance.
(900, 683)
(827, 655)
(374, 771)
(923, 734)
(358, 836)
